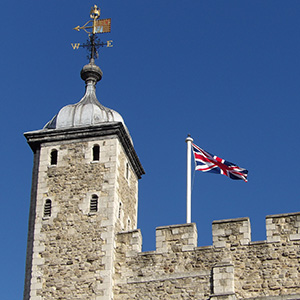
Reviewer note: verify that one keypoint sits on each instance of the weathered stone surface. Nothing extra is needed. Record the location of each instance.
(73, 249)
(239, 269)
(79, 253)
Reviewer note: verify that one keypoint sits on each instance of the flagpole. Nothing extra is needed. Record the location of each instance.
(188, 141)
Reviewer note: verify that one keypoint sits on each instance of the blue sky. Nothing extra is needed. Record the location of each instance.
(227, 72)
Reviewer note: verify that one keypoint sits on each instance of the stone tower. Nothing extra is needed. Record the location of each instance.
(84, 191)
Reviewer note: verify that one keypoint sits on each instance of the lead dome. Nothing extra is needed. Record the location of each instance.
(88, 111)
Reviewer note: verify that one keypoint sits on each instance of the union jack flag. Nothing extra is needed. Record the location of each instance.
(207, 162)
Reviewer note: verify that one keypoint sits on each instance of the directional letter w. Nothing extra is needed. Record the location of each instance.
(75, 46)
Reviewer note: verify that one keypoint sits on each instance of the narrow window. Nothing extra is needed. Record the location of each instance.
(96, 153)
(53, 157)
(47, 208)
(120, 209)
(94, 204)
(128, 224)
(127, 171)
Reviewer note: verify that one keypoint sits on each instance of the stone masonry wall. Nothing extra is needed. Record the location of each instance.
(233, 268)
(73, 249)
(127, 192)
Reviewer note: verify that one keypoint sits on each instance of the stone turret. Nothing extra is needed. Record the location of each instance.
(84, 191)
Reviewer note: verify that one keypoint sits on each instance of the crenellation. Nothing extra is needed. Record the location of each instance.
(284, 227)
(176, 238)
(230, 232)
(129, 242)
(238, 270)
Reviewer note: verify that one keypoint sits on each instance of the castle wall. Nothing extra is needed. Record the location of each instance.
(234, 267)
(78, 253)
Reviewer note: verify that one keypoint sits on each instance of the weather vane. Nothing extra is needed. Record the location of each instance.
(93, 27)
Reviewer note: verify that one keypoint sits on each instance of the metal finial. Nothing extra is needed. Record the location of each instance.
(95, 12)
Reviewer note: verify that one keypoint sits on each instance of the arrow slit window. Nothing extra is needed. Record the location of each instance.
(53, 157)
(127, 171)
(96, 153)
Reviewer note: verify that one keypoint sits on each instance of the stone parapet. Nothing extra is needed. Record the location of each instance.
(129, 242)
(226, 233)
(176, 238)
(283, 227)
(231, 232)
(233, 268)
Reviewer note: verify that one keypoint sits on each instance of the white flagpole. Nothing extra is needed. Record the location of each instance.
(189, 141)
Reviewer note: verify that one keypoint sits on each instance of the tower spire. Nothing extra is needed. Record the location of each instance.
(88, 111)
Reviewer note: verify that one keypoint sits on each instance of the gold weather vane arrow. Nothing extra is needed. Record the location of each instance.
(96, 26)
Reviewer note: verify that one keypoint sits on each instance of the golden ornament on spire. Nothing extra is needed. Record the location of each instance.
(98, 26)
(95, 12)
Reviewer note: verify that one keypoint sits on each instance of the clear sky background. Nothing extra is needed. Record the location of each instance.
(227, 72)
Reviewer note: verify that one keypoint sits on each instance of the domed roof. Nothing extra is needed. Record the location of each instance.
(88, 111)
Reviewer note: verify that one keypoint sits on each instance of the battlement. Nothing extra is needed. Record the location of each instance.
(176, 238)
(231, 232)
(130, 242)
(283, 227)
(226, 233)
(234, 267)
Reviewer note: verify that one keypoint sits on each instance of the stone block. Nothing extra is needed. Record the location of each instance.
(36, 298)
(175, 231)
(273, 239)
(294, 237)
(187, 247)
(218, 232)
(37, 286)
(160, 239)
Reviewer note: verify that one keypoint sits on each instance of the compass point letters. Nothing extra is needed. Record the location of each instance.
(75, 46)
